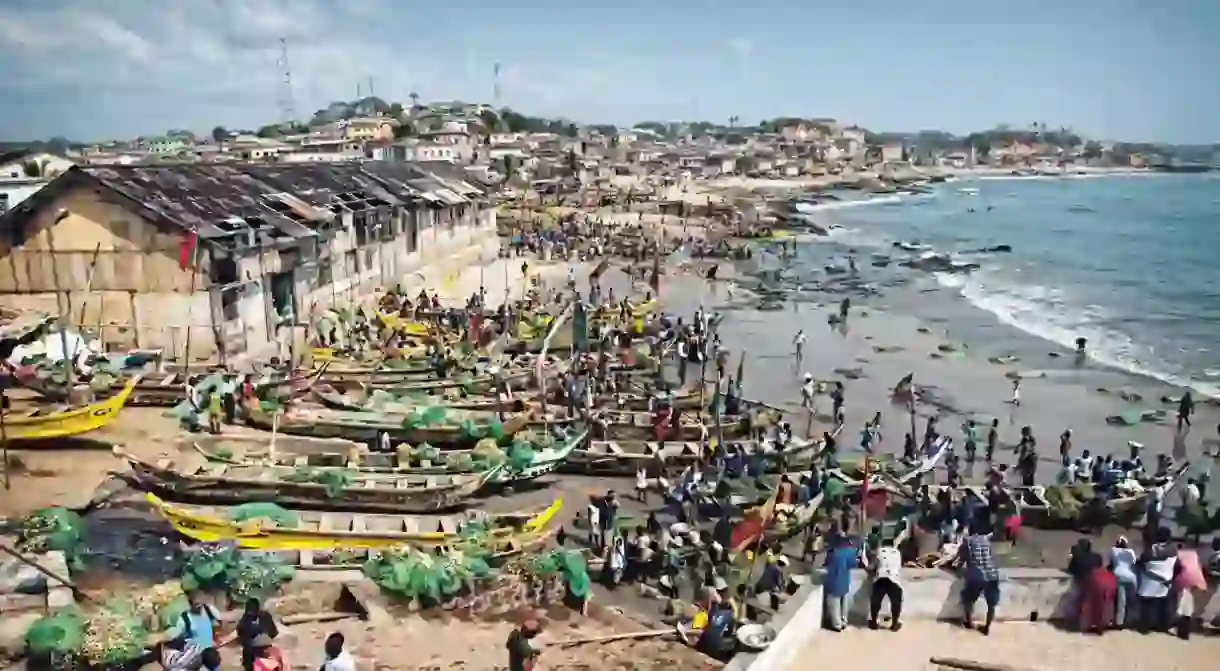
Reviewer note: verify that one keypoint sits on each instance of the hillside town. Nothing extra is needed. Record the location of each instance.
(500, 145)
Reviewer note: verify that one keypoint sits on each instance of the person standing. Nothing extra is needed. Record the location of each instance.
(982, 576)
(521, 655)
(972, 440)
(1016, 393)
(993, 438)
(1186, 407)
(1122, 565)
(1158, 566)
(886, 568)
(840, 560)
(798, 342)
(254, 622)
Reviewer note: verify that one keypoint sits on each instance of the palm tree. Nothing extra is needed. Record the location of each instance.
(733, 120)
(414, 98)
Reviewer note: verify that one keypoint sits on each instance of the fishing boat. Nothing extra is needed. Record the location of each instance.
(41, 424)
(926, 463)
(367, 427)
(686, 398)
(340, 540)
(365, 399)
(637, 425)
(613, 457)
(168, 389)
(637, 311)
(1046, 507)
(229, 484)
(323, 453)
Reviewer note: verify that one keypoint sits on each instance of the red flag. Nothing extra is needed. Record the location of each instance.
(476, 327)
(186, 252)
(750, 529)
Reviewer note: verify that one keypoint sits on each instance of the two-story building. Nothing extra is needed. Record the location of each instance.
(366, 129)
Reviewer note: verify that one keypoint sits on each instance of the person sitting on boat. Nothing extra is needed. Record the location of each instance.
(732, 401)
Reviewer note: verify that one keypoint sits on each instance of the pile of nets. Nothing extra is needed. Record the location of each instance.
(568, 565)
(426, 577)
(420, 417)
(53, 529)
(472, 431)
(335, 480)
(115, 633)
(242, 575)
(421, 452)
(1065, 502)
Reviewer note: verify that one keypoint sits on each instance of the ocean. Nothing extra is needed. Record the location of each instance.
(1132, 263)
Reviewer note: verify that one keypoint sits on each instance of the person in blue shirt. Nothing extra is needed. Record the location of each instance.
(836, 586)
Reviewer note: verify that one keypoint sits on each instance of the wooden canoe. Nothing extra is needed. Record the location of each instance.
(168, 389)
(686, 398)
(613, 457)
(367, 427)
(229, 484)
(340, 540)
(320, 453)
(42, 425)
(331, 397)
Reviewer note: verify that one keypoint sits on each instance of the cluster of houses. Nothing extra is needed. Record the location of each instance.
(282, 226)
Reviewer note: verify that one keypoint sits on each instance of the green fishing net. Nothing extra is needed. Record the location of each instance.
(114, 634)
(217, 567)
(425, 452)
(834, 490)
(425, 416)
(53, 529)
(520, 456)
(61, 632)
(282, 517)
(335, 480)
(423, 576)
(459, 461)
(470, 430)
(568, 564)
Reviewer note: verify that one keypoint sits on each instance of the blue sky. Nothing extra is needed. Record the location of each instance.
(1113, 69)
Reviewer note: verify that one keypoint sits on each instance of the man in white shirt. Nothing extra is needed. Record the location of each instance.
(337, 659)
(885, 564)
(1190, 493)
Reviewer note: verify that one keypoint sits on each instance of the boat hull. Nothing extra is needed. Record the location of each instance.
(70, 423)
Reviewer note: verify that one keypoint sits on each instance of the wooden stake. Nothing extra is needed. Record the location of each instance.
(613, 637)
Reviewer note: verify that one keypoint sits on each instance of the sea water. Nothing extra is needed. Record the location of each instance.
(1132, 263)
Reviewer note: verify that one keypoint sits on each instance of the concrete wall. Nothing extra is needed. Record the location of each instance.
(928, 594)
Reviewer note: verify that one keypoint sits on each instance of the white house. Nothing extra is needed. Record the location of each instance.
(23, 173)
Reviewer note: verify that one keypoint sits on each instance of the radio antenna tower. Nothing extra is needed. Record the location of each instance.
(288, 111)
(495, 85)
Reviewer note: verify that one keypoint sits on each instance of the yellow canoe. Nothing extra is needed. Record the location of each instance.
(637, 311)
(72, 422)
(358, 531)
(414, 328)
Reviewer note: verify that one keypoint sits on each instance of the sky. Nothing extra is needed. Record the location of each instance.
(1108, 69)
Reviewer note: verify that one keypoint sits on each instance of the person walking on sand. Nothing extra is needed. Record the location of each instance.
(1186, 407)
(844, 308)
(1016, 393)
(1065, 446)
(521, 655)
(799, 343)
(993, 438)
(972, 440)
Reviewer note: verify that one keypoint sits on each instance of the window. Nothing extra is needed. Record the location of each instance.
(229, 298)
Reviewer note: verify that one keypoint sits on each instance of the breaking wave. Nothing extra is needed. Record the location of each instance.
(1047, 313)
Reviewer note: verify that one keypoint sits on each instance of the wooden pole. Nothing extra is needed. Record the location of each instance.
(64, 315)
(4, 438)
(45, 571)
(88, 288)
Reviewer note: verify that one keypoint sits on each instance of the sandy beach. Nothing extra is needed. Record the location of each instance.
(1018, 646)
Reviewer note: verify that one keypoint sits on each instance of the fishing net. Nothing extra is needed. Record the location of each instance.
(425, 452)
(422, 576)
(53, 529)
(257, 576)
(494, 429)
(520, 456)
(569, 565)
(834, 490)
(220, 567)
(59, 633)
(334, 480)
(271, 512)
(470, 430)
(1066, 501)
(425, 416)
(114, 634)
(459, 461)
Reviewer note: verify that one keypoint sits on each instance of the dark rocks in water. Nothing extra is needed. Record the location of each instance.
(996, 249)
(850, 373)
(940, 263)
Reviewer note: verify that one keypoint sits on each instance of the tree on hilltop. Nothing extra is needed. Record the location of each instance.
(219, 134)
